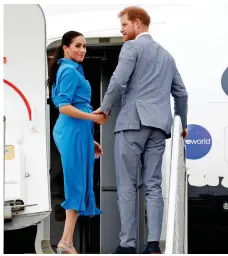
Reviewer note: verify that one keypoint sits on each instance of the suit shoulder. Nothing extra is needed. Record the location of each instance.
(165, 51)
(129, 50)
(129, 44)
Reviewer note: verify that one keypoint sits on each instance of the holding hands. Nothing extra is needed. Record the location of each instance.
(99, 117)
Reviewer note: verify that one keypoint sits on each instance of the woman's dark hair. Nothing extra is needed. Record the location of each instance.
(66, 40)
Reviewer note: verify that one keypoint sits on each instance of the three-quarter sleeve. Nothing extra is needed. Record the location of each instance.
(67, 86)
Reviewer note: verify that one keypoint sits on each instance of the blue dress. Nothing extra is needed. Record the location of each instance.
(74, 138)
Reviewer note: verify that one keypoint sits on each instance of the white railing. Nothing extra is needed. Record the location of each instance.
(4, 141)
(176, 233)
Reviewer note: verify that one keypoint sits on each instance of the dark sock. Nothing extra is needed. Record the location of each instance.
(153, 243)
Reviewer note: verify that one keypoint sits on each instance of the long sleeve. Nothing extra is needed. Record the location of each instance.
(120, 77)
(180, 96)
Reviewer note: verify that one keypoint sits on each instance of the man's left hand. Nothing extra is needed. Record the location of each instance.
(98, 111)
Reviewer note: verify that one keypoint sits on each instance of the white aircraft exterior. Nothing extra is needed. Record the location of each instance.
(197, 38)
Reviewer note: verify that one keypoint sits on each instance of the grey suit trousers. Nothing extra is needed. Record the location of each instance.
(134, 148)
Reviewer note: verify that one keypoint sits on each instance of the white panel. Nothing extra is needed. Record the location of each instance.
(208, 169)
(25, 51)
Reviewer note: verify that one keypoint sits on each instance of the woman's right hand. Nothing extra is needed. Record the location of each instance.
(99, 118)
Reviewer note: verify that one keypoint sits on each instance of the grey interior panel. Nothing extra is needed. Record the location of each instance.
(110, 222)
(108, 166)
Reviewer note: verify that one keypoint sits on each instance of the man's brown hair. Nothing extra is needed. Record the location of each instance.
(135, 12)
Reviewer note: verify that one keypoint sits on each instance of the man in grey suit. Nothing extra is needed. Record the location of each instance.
(144, 78)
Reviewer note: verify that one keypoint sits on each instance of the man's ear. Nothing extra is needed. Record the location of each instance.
(137, 21)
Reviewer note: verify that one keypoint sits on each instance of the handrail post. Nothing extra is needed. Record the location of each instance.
(177, 155)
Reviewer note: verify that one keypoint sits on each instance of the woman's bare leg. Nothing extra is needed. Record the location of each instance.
(69, 227)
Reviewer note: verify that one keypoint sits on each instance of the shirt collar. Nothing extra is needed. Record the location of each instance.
(68, 61)
(144, 33)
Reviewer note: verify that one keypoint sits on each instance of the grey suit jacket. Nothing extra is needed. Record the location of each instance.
(144, 78)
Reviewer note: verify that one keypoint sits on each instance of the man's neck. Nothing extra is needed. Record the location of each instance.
(141, 32)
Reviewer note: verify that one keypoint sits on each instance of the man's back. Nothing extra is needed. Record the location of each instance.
(145, 76)
(146, 97)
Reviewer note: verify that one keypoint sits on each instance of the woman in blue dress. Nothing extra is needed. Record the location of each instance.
(73, 133)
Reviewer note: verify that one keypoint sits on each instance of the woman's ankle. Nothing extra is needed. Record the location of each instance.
(65, 243)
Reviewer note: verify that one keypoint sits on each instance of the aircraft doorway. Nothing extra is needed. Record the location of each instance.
(92, 234)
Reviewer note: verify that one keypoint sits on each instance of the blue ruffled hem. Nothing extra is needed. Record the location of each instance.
(90, 213)
(90, 210)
